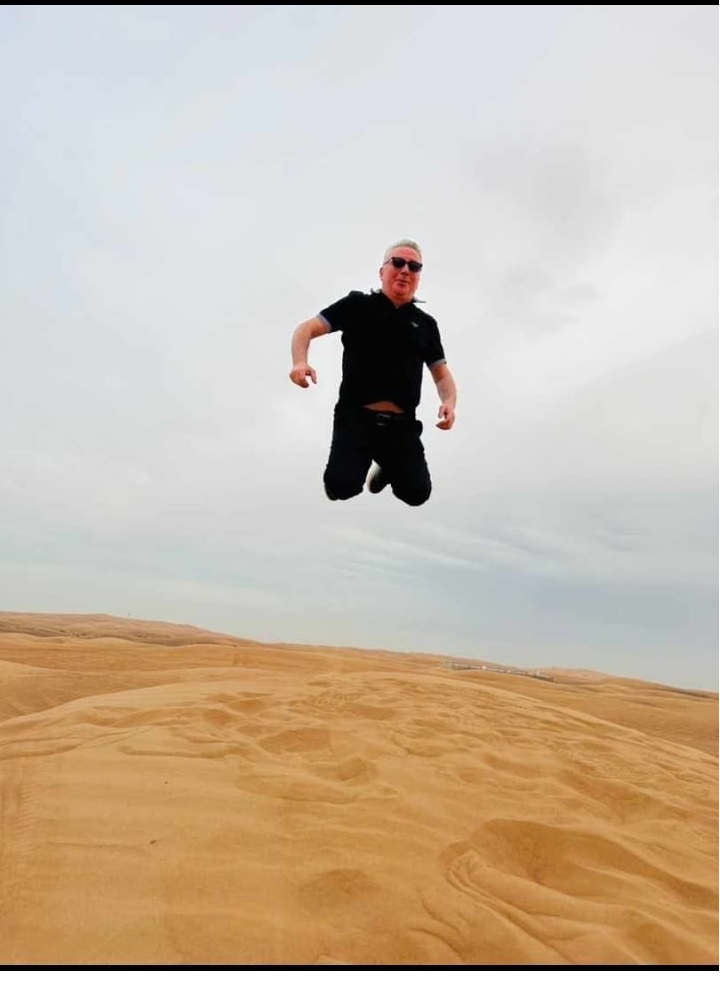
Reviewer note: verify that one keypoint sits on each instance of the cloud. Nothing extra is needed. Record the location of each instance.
(184, 186)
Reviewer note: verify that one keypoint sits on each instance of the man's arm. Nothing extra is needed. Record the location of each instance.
(447, 392)
(299, 346)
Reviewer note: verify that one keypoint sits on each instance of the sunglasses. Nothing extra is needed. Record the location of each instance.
(399, 263)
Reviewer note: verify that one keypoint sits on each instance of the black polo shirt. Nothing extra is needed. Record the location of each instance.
(384, 348)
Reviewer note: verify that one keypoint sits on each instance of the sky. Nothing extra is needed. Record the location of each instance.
(183, 185)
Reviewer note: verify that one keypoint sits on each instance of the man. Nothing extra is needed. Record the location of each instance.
(387, 341)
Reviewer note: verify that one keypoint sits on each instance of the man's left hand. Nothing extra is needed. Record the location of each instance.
(446, 416)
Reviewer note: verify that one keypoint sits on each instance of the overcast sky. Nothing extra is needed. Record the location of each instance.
(182, 185)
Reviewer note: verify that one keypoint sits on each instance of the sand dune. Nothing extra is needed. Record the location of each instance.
(175, 797)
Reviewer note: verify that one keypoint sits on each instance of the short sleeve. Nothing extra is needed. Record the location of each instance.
(341, 313)
(434, 352)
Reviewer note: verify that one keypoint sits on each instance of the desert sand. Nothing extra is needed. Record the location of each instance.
(170, 796)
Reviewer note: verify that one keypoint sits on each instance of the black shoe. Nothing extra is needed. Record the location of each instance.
(377, 480)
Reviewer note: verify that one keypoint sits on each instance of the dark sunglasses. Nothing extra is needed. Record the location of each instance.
(398, 262)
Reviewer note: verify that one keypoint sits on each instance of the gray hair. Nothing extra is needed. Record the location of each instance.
(405, 243)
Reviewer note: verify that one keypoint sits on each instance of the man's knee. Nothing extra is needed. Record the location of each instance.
(339, 487)
(413, 496)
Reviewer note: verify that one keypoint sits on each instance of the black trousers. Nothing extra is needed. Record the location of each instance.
(392, 440)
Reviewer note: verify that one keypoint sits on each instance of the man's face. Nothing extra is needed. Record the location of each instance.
(400, 284)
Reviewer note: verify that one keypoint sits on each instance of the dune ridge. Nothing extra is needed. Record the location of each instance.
(172, 796)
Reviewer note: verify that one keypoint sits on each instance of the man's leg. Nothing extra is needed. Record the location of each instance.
(350, 457)
(404, 464)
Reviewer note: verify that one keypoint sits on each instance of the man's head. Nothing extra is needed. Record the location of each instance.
(400, 271)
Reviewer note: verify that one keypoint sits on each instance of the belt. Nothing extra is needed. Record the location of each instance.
(387, 418)
(384, 418)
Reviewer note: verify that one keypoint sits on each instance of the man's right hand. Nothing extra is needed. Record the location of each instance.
(301, 374)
